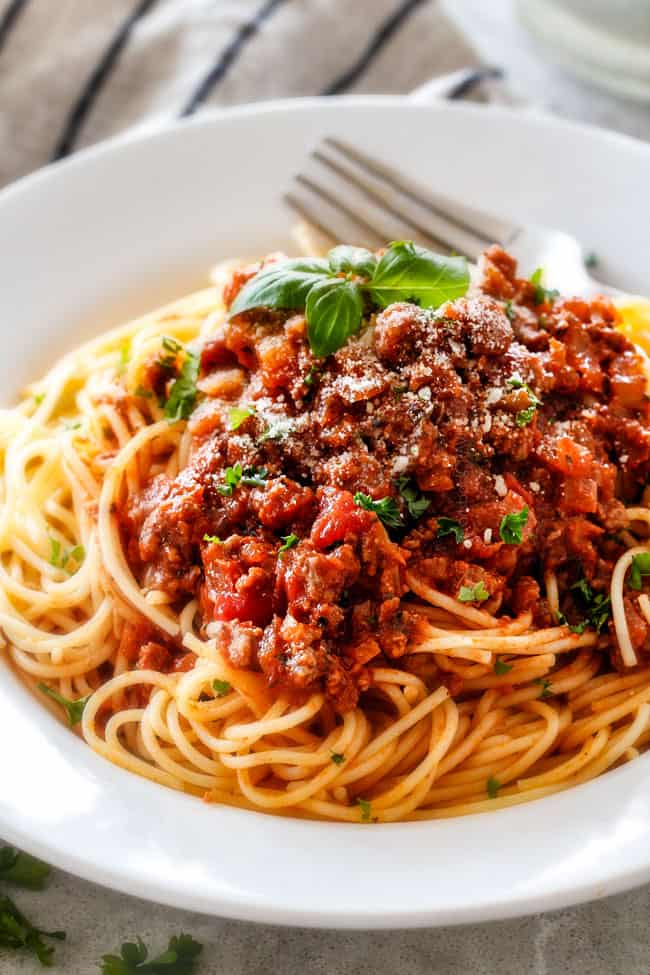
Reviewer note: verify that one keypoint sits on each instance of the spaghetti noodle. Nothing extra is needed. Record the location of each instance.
(234, 608)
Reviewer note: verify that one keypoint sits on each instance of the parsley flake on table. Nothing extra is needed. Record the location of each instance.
(180, 958)
(17, 932)
(21, 869)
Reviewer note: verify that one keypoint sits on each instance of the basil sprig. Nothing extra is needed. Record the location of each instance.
(334, 291)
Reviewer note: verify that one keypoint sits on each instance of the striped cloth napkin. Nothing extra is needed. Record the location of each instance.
(73, 72)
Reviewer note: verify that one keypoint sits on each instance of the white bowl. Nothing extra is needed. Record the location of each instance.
(116, 231)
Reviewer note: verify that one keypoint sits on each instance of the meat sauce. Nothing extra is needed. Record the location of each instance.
(501, 401)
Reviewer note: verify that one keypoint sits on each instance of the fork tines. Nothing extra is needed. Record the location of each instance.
(349, 196)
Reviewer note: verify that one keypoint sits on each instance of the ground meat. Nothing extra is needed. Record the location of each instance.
(499, 437)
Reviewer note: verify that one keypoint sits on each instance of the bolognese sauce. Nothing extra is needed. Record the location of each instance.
(483, 444)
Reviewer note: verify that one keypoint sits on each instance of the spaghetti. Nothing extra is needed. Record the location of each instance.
(374, 615)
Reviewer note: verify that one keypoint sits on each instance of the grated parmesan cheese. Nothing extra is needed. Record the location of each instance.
(500, 486)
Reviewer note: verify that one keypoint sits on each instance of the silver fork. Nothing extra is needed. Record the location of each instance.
(349, 196)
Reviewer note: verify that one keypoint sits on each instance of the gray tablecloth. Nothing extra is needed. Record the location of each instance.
(74, 71)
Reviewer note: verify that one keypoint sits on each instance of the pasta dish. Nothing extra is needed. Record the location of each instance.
(362, 537)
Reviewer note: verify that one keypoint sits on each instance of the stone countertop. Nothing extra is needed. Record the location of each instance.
(607, 937)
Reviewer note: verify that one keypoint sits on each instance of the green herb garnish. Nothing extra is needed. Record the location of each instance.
(512, 525)
(212, 539)
(231, 476)
(21, 869)
(142, 392)
(337, 758)
(471, 594)
(598, 606)
(416, 503)
(493, 786)
(542, 294)
(222, 687)
(334, 290)
(74, 709)
(17, 932)
(180, 958)
(524, 417)
(640, 567)
(183, 392)
(238, 414)
(591, 260)
(288, 541)
(449, 526)
(545, 685)
(511, 314)
(61, 559)
(501, 667)
(366, 810)
(386, 509)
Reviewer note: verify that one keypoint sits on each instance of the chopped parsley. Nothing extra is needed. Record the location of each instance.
(17, 932)
(501, 667)
(231, 476)
(545, 685)
(366, 810)
(640, 567)
(38, 399)
(598, 606)
(416, 503)
(62, 559)
(288, 541)
(183, 392)
(236, 475)
(238, 414)
(493, 785)
(524, 417)
(179, 958)
(312, 375)
(74, 709)
(511, 314)
(591, 260)
(125, 355)
(449, 526)
(142, 392)
(222, 687)
(337, 758)
(386, 509)
(512, 525)
(471, 594)
(21, 869)
(542, 294)
(212, 539)
(170, 344)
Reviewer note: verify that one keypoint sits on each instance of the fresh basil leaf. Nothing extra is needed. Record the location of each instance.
(334, 311)
(407, 272)
(352, 260)
(281, 285)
